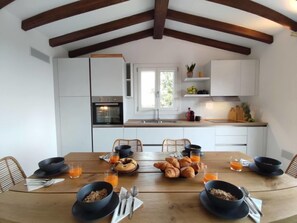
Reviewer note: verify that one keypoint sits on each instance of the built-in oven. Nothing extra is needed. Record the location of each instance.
(107, 110)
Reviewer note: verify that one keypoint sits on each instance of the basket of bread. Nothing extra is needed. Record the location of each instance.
(174, 168)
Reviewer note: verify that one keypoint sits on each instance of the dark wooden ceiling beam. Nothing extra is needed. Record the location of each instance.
(207, 42)
(66, 11)
(111, 43)
(260, 10)
(161, 7)
(4, 3)
(219, 26)
(103, 28)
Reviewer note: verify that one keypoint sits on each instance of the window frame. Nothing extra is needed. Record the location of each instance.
(158, 68)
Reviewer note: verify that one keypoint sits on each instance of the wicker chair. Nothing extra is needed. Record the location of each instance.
(11, 173)
(174, 145)
(136, 144)
(292, 168)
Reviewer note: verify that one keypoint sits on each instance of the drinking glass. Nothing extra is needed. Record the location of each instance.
(195, 156)
(75, 170)
(209, 175)
(114, 157)
(111, 177)
(235, 163)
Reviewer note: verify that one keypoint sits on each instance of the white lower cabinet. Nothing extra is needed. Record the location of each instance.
(75, 121)
(152, 138)
(103, 138)
(202, 136)
(130, 133)
(230, 138)
(256, 145)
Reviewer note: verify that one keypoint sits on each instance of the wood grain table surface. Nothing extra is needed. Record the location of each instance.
(165, 200)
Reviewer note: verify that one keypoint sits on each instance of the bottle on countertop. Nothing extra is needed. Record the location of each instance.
(190, 115)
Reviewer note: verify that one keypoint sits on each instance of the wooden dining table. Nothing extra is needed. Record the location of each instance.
(164, 199)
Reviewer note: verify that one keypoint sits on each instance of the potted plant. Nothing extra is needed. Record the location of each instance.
(190, 69)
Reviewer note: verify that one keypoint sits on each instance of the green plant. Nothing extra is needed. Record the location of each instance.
(191, 67)
(247, 112)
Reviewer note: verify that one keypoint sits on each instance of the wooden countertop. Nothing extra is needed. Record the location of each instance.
(165, 200)
(184, 123)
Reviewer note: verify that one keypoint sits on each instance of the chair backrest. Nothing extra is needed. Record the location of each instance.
(11, 173)
(136, 144)
(174, 145)
(292, 168)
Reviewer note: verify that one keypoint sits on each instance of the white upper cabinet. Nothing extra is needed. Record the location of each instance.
(107, 76)
(225, 77)
(233, 77)
(249, 75)
(73, 77)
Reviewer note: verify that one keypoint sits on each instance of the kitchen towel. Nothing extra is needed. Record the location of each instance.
(137, 203)
(256, 217)
(38, 186)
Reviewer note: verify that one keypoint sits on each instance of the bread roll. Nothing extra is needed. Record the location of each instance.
(173, 161)
(172, 172)
(187, 172)
(185, 161)
(162, 165)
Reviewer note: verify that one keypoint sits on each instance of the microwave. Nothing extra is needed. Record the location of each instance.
(107, 110)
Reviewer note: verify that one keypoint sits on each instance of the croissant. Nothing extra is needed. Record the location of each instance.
(162, 165)
(185, 161)
(187, 172)
(196, 166)
(173, 161)
(172, 172)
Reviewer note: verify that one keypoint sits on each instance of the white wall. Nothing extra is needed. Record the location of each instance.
(27, 113)
(277, 100)
(173, 51)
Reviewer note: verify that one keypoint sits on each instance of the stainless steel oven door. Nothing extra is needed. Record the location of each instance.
(108, 113)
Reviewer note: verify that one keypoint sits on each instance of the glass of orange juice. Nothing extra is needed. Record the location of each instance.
(112, 178)
(209, 175)
(235, 163)
(195, 156)
(114, 157)
(75, 170)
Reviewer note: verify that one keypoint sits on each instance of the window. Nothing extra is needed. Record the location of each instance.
(156, 88)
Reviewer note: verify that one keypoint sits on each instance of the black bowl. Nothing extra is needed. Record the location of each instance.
(123, 150)
(225, 186)
(191, 147)
(98, 204)
(267, 164)
(51, 164)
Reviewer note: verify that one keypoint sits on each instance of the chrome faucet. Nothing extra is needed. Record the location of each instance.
(158, 114)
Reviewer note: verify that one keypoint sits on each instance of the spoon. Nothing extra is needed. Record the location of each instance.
(247, 194)
(134, 192)
(126, 197)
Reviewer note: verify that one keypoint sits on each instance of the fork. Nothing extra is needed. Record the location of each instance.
(126, 198)
(247, 194)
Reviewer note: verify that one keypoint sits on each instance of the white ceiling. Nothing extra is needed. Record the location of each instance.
(27, 8)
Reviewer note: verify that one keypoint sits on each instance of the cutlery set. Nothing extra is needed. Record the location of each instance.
(254, 209)
(124, 198)
(38, 182)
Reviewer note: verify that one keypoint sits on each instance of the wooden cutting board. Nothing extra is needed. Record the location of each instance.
(239, 114)
(232, 114)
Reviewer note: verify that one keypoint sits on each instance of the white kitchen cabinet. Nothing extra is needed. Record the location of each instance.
(75, 125)
(256, 144)
(152, 138)
(103, 138)
(248, 78)
(73, 77)
(130, 133)
(233, 77)
(202, 136)
(231, 138)
(107, 76)
(225, 78)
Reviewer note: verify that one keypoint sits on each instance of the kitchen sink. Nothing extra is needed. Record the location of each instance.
(157, 121)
